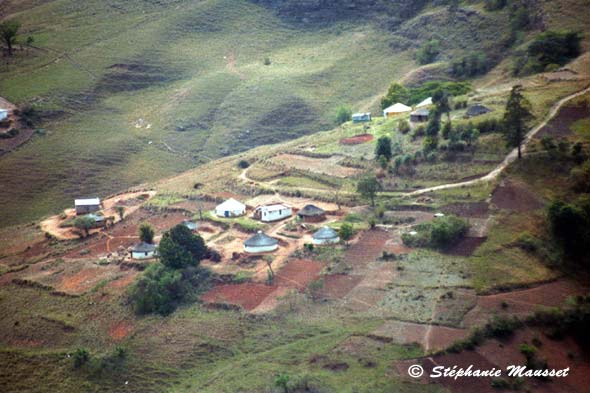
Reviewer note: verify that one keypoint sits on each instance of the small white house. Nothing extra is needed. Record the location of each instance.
(260, 243)
(143, 251)
(85, 206)
(274, 212)
(3, 114)
(396, 109)
(325, 235)
(361, 117)
(230, 208)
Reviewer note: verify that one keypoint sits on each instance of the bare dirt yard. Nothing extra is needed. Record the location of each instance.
(327, 166)
(131, 201)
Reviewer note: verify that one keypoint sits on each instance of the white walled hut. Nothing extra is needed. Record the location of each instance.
(3, 114)
(396, 109)
(260, 243)
(325, 235)
(88, 205)
(143, 251)
(230, 208)
(275, 212)
(361, 117)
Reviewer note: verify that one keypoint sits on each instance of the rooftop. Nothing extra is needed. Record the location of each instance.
(87, 202)
(325, 233)
(261, 240)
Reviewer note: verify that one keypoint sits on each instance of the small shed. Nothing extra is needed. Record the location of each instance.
(396, 109)
(143, 251)
(325, 235)
(361, 117)
(312, 213)
(420, 115)
(3, 114)
(477, 110)
(260, 243)
(191, 225)
(425, 103)
(88, 205)
(230, 208)
(275, 212)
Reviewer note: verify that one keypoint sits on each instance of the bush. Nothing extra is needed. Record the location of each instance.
(548, 48)
(146, 233)
(80, 357)
(470, 65)
(403, 126)
(570, 226)
(343, 114)
(180, 248)
(161, 289)
(346, 231)
(428, 52)
(243, 164)
(383, 148)
(441, 233)
(446, 231)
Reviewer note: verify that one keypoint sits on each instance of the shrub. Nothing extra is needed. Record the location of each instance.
(403, 126)
(446, 231)
(80, 357)
(428, 52)
(243, 164)
(346, 231)
(146, 233)
(383, 148)
(343, 114)
(570, 226)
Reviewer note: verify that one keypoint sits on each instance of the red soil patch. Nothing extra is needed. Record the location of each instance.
(560, 125)
(471, 210)
(80, 282)
(515, 196)
(120, 330)
(368, 248)
(124, 281)
(467, 246)
(357, 139)
(247, 295)
(430, 337)
(336, 286)
(298, 274)
(523, 302)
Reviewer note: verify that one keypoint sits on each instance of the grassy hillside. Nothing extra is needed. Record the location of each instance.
(133, 91)
(193, 71)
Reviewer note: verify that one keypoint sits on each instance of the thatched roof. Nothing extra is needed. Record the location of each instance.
(325, 233)
(311, 211)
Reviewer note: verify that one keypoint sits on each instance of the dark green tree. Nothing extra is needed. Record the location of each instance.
(190, 241)
(146, 233)
(8, 32)
(395, 93)
(85, 223)
(343, 114)
(516, 117)
(428, 52)
(368, 188)
(346, 231)
(441, 98)
(383, 148)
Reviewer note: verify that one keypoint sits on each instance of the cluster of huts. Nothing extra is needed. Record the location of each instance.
(260, 242)
(419, 114)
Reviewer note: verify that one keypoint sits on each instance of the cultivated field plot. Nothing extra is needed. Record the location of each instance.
(515, 196)
(429, 337)
(523, 302)
(73, 277)
(367, 248)
(326, 166)
(357, 139)
(294, 275)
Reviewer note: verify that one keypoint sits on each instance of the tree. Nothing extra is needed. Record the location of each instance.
(343, 114)
(191, 242)
(395, 93)
(383, 148)
(120, 211)
(346, 231)
(8, 32)
(428, 52)
(441, 98)
(180, 248)
(368, 188)
(517, 115)
(158, 290)
(146, 233)
(85, 223)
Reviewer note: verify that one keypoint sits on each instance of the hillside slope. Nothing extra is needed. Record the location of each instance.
(134, 91)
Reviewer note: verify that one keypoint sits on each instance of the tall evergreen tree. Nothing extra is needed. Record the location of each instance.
(517, 115)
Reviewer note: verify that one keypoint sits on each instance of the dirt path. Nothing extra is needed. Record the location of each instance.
(511, 157)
